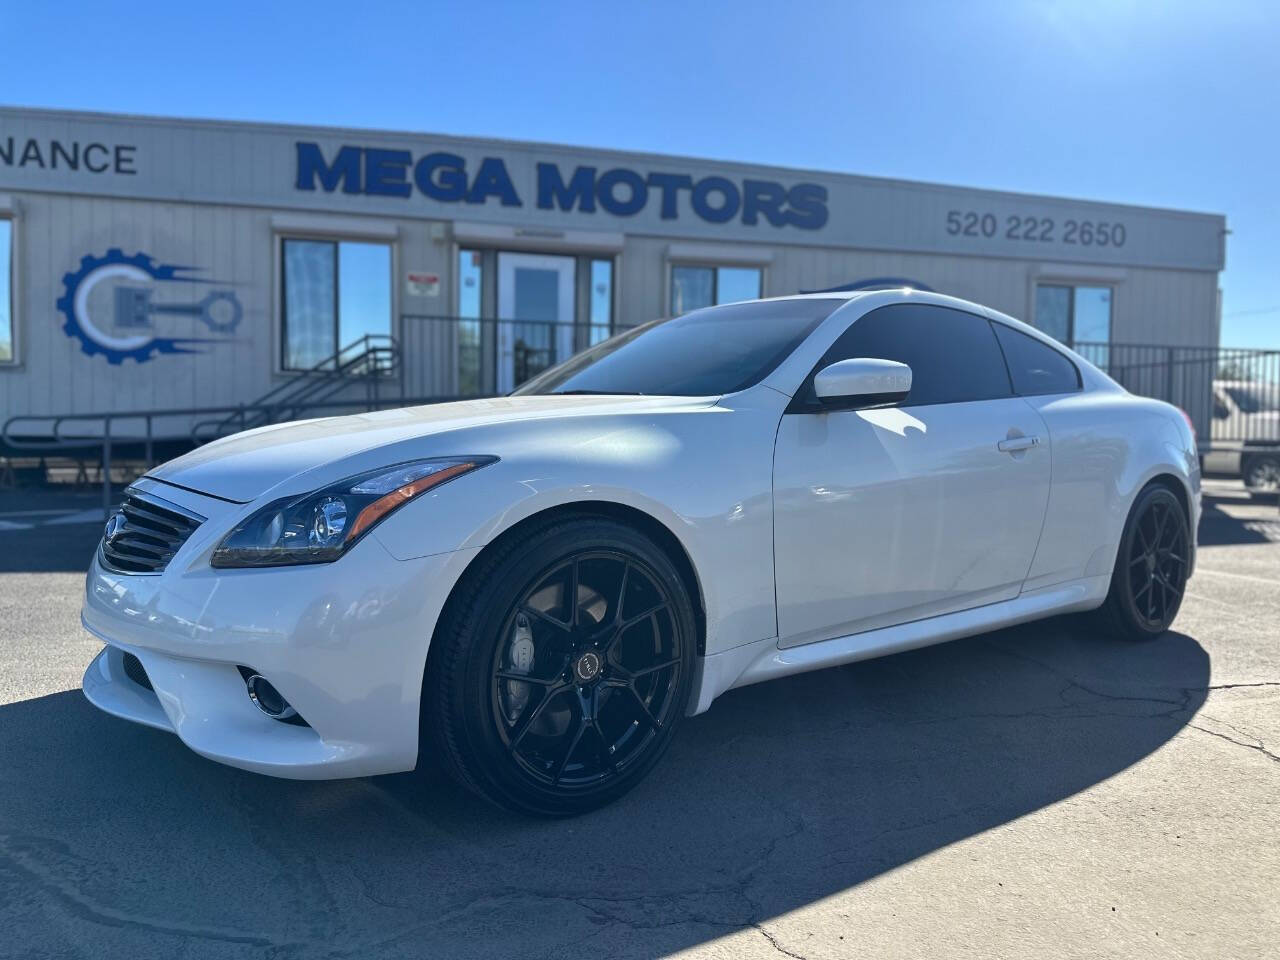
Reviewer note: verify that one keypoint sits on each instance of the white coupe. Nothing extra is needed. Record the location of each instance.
(536, 589)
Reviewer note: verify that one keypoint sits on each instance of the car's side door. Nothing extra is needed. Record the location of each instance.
(898, 513)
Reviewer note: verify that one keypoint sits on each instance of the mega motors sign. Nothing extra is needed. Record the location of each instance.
(531, 186)
(621, 191)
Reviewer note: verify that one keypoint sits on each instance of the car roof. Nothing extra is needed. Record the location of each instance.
(827, 295)
(892, 295)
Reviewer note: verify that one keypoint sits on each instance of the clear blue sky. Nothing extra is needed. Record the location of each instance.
(1170, 104)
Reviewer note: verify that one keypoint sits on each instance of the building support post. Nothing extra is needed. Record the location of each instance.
(106, 468)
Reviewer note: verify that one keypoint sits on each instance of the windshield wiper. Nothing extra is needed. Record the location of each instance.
(596, 393)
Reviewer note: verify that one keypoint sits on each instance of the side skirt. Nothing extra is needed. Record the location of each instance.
(764, 660)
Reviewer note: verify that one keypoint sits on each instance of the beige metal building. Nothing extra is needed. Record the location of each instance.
(162, 263)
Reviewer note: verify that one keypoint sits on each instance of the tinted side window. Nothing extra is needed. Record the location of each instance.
(1036, 369)
(953, 355)
(712, 351)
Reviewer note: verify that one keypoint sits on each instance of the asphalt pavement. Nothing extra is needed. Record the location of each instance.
(1036, 792)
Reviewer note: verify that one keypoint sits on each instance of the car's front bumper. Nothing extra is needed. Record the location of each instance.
(345, 643)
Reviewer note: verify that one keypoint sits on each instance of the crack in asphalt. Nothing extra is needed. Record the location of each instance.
(15, 851)
(735, 910)
(773, 942)
(589, 904)
(1187, 692)
(1257, 745)
(1177, 706)
(636, 911)
(694, 906)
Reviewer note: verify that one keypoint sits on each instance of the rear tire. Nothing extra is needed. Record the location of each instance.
(1261, 474)
(608, 676)
(1150, 574)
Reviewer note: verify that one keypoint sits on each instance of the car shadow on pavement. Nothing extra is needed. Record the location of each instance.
(784, 793)
(1234, 520)
(67, 548)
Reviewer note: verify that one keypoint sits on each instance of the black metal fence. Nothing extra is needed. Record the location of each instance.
(1231, 394)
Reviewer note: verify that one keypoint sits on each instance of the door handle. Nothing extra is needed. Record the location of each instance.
(1014, 444)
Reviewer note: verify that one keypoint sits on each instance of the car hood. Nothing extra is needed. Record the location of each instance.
(244, 466)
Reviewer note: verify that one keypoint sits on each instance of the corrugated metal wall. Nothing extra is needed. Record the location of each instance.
(236, 247)
(55, 232)
(1175, 307)
(215, 196)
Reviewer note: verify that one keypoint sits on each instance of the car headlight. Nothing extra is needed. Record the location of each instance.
(319, 527)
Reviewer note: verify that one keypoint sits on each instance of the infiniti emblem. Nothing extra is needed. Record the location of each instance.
(114, 526)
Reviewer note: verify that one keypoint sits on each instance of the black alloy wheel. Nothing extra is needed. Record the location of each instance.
(1158, 562)
(563, 667)
(1152, 567)
(602, 672)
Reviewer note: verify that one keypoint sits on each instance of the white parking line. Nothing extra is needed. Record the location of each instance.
(33, 513)
(1239, 576)
(92, 515)
(26, 519)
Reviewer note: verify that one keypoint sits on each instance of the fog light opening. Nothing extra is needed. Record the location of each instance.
(268, 699)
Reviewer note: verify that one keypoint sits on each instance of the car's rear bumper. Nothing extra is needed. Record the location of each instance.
(345, 643)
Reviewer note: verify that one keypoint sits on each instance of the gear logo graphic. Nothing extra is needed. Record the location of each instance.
(134, 279)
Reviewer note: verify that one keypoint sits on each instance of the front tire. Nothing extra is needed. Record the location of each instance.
(561, 667)
(1150, 574)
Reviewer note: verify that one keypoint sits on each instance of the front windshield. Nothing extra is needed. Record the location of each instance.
(1256, 397)
(708, 352)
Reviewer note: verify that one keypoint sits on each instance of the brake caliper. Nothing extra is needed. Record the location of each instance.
(520, 656)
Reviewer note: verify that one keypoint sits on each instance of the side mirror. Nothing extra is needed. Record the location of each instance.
(862, 382)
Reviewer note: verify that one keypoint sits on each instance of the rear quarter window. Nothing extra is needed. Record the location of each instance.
(1035, 368)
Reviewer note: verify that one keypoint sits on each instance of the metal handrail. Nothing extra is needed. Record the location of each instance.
(56, 440)
(307, 383)
(492, 353)
(330, 364)
(457, 318)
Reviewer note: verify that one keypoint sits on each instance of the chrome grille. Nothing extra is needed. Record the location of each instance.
(145, 533)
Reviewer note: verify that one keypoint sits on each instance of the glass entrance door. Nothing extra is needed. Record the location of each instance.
(536, 314)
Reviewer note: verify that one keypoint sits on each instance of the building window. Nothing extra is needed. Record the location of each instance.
(470, 334)
(695, 287)
(1074, 314)
(600, 315)
(6, 291)
(335, 293)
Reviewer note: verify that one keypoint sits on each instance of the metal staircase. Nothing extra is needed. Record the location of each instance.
(369, 363)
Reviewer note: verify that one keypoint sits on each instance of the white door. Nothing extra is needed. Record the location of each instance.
(536, 296)
(888, 515)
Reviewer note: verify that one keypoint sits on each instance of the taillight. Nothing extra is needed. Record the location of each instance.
(1190, 423)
